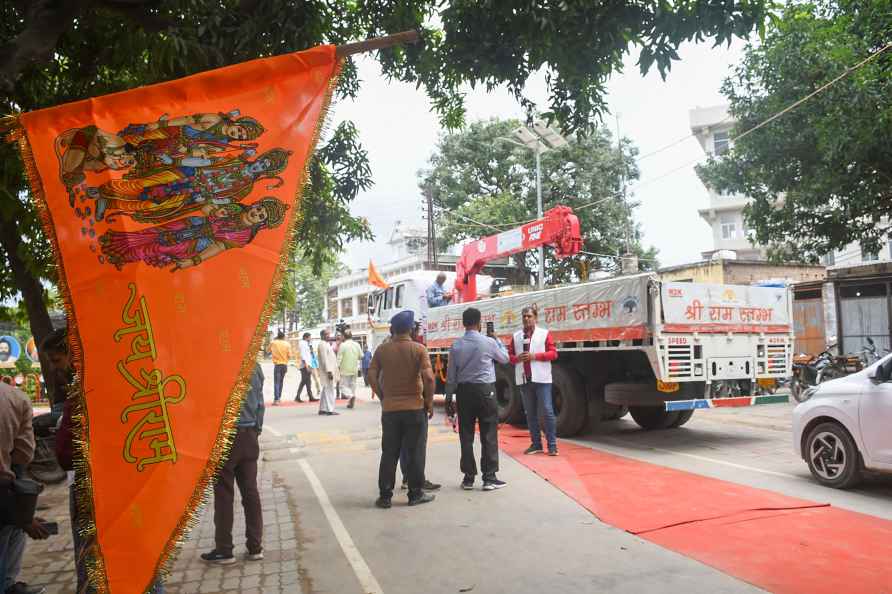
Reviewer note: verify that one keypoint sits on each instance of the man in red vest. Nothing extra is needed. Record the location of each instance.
(531, 351)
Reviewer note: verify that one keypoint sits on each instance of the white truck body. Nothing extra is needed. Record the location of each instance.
(689, 332)
(636, 344)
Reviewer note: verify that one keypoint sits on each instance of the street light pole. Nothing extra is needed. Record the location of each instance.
(539, 211)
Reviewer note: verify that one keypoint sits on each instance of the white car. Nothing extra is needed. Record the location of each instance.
(845, 427)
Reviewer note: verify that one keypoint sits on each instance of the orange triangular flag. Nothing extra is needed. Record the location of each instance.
(375, 277)
(169, 208)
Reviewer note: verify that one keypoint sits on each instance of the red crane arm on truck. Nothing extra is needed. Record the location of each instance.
(559, 228)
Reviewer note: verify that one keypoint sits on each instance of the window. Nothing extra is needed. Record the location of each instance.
(398, 302)
(332, 309)
(388, 298)
(721, 142)
(729, 228)
(346, 307)
(362, 304)
(829, 259)
(867, 256)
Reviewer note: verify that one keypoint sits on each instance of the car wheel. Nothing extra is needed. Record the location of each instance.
(832, 456)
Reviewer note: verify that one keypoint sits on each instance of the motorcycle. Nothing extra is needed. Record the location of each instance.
(870, 353)
(809, 372)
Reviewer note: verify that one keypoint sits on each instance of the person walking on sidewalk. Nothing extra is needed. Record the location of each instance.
(402, 377)
(306, 368)
(328, 370)
(281, 352)
(366, 361)
(472, 376)
(349, 355)
(531, 351)
(241, 468)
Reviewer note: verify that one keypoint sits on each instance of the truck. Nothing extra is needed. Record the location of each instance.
(626, 345)
(637, 345)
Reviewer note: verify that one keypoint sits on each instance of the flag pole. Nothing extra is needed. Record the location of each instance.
(376, 43)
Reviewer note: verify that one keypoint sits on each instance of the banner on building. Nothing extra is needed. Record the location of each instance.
(169, 209)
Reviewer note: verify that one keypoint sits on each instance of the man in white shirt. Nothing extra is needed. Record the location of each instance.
(306, 371)
(531, 351)
(329, 375)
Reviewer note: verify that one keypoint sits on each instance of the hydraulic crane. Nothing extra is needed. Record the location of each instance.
(558, 228)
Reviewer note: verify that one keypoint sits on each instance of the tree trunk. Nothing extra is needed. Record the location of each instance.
(32, 294)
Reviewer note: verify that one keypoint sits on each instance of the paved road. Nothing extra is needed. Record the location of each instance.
(323, 534)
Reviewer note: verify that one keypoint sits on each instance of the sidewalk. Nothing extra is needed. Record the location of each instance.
(51, 562)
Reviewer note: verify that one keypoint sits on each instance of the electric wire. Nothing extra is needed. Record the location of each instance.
(743, 134)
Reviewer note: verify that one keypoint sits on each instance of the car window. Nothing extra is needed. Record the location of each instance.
(398, 302)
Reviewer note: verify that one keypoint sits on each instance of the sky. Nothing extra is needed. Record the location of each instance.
(399, 130)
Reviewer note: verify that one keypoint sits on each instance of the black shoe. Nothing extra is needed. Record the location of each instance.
(298, 399)
(332, 413)
(533, 449)
(313, 399)
(429, 486)
(258, 556)
(23, 588)
(552, 451)
(491, 484)
(423, 498)
(218, 558)
(322, 412)
(352, 402)
(383, 502)
(468, 483)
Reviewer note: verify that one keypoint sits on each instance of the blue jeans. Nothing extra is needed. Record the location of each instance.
(279, 372)
(12, 550)
(537, 401)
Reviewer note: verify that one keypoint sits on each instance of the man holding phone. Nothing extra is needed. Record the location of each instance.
(472, 377)
(532, 350)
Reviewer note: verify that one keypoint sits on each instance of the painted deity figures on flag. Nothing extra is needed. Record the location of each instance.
(143, 146)
(191, 240)
(126, 198)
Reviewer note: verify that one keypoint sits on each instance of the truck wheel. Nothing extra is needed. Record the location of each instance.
(613, 412)
(508, 396)
(568, 396)
(653, 417)
(683, 417)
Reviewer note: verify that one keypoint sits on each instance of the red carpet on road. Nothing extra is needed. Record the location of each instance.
(775, 542)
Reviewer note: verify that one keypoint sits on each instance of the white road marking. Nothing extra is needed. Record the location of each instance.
(360, 568)
(710, 460)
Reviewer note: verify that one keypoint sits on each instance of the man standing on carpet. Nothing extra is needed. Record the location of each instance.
(329, 375)
(281, 352)
(349, 355)
(402, 377)
(241, 467)
(472, 377)
(531, 351)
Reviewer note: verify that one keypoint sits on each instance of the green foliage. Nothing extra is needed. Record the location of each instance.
(304, 290)
(830, 158)
(56, 51)
(476, 175)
